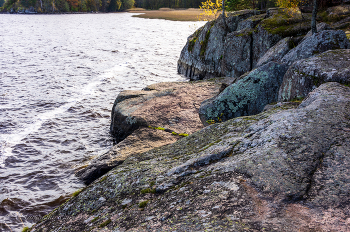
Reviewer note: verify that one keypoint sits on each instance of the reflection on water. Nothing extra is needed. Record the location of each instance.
(59, 76)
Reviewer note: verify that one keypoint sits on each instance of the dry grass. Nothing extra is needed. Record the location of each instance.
(168, 14)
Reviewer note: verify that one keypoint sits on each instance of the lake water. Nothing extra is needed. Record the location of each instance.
(59, 77)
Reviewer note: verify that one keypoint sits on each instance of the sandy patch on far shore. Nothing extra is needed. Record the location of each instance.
(190, 14)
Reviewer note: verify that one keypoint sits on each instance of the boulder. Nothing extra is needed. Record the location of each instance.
(213, 51)
(316, 44)
(167, 105)
(247, 96)
(307, 74)
(286, 169)
(338, 12)
(277, 52)
(202, 55)
(320, 27)
(141, 120)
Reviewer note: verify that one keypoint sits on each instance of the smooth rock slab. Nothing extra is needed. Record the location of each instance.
(246, 96)
(171, 106)
(291, 167)
(277, 52)
(305, 75)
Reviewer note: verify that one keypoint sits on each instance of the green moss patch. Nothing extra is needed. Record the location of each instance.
(143, 204)
(105, 223)
(298, 99)
(26, 229)
(194, 39)
(285, 25)
(204, 43)
(167, 130)
(76, 193)
(148, 190)
(95, 219)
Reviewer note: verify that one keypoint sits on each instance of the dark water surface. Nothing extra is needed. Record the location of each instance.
(59, 76)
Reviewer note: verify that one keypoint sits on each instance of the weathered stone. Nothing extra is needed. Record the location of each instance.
(246, 96)
(237, 56)
(285, 169)
(320, 27)
(140, 140)
(167, 105)
(344, 23)
(316, 44)
(277, 52)
(250, 22)
(170, 107)
(337, 12)
(305, 75)
(213, 51)
(262, 42)
(285, 24)
(202, 56)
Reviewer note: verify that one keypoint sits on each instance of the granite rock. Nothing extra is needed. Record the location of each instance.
(307, 74)
(286, 169)
(316, 44)
(277, 52)
(246, 96)
(141, 120)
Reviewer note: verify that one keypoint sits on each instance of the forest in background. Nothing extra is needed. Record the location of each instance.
(57, 6)
(62, 6)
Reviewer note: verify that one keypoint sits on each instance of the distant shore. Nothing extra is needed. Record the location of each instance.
(190, 14)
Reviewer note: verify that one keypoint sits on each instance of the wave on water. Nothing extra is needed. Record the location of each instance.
(60, 75)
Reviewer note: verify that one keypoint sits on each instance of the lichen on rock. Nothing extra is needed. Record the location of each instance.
(246, 96)
(135, 114)
(307, 74)
(316, 44)
(283, 169)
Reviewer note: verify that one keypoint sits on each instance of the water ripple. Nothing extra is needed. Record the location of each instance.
(59, 76)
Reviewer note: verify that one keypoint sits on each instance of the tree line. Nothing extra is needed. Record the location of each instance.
(52, 6)
(48, 6)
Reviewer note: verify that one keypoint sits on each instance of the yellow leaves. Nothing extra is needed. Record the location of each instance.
(292, 6)
(210, 10)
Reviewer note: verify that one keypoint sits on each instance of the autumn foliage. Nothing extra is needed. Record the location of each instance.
(210, 10)
(73, 3)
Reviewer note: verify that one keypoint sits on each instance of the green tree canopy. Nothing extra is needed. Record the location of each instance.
(114, 5)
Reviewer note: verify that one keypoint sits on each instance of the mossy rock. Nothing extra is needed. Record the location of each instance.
(286, 25)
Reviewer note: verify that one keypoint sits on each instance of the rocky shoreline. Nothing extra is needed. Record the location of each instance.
(267, 148)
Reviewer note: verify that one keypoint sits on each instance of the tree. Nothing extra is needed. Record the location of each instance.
(114, 5)
(127, 4)
(292, 6)
(62, 5)
(314, 15)
(73, 4)
(210, 10)
(2, 2)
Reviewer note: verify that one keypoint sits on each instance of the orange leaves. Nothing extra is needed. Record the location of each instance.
(73, 3)
(292, 6)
